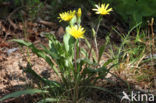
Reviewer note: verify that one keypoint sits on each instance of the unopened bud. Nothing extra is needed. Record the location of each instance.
(79, 13)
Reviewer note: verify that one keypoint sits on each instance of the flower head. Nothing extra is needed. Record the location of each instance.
(102, 9)
(76, 32)
(79, 13)
(67, 16)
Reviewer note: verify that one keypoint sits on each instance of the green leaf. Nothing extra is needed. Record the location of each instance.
(41, 53)
(88, 44)
(38, 52)
(73, 21)
(84, 52)
(22, 42)
(94, 56)
(108, 62)
(52, 54)
(98, 70)
(85, 61)
(69, 42)
(66, 38)
(23, 92)
(55, 45)
(48, 100)
(102, 48)
(46, 81)
(134, 27)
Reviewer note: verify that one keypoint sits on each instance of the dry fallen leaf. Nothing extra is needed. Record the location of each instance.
(60, 32)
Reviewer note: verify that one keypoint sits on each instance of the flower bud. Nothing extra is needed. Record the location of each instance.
(79, 12)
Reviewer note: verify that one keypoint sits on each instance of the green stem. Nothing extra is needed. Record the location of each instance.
(75, 57)
(95, 38)
(76, 73)
(96, 47)
(99, 22)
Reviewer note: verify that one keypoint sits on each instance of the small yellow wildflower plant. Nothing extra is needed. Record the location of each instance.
(72, 64)
(102, 9)
(67, 16)
(76, 31)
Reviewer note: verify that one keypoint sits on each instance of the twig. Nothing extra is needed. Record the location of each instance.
(5, 4)
(11, 14)
(152, 49)
(47, 23)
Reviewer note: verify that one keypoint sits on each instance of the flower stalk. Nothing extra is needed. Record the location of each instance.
(101, 10)
(95, 35)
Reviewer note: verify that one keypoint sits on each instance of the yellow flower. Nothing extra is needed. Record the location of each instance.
(76, 32)
(102, 9)
(79, 12)
(67, 16)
